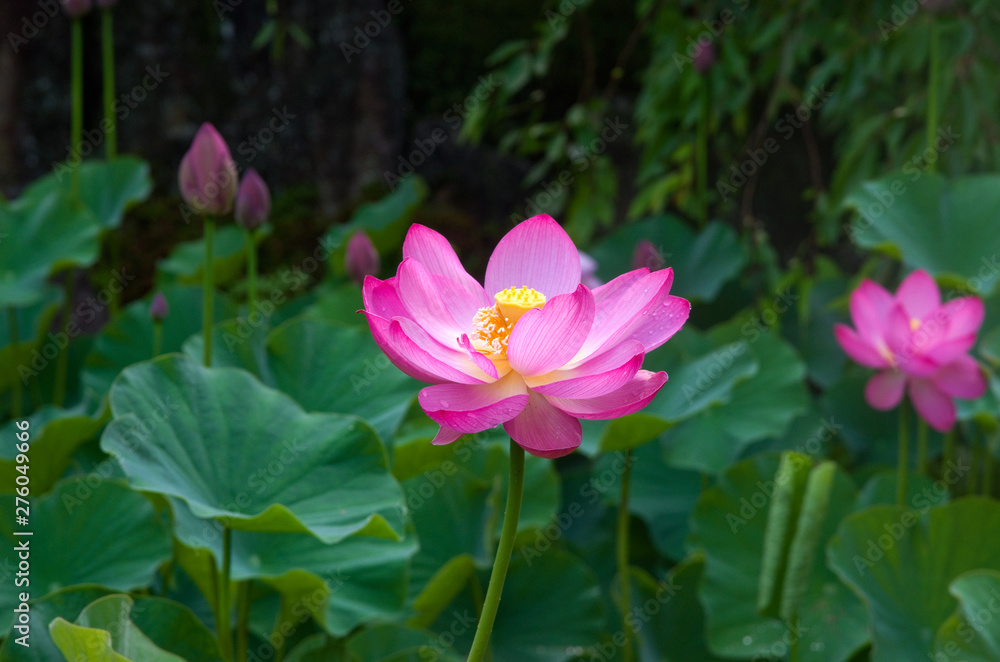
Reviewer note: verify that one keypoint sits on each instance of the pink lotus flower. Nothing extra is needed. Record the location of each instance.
(535, 350)
(207, 174)
(918, 343)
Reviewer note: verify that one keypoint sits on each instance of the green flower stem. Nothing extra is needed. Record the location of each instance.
(206, 292)
(515, 490)
(933, 89)
(222, 625)
(76, 122)
(904, 454)
(988, 468)
(108, 61)
(976, 460)
(624, 576)
(242, 620)
(793, 648)
(921, 447)
(157, 338)
(110, 131)
(62, 362)
(701, 150)
(17, 397)
(948, 456)
(251, 272)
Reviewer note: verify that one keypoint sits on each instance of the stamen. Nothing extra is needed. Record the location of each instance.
(914, 324)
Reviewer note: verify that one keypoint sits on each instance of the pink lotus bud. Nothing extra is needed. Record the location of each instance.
(208, 177)
(704, 57)
(76, 8)
(106, 4)
(362, 258)
(158, 308)
(588, 271)
(253, 201)
(648, 256)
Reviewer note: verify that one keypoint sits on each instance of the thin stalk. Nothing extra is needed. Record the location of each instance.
(76, 120)
(157, 338)
(108, 62)
(251, 272)
(904, 454)
(933, 89)
(242, 620)
(701, 150)
(976, 461)
(279, 650)
(793, 648)
(17, 396)
(225, 608)
(213, 578)
(512, 513)
(921, 447)
(62, 362)
(948, 456)
(110, 127)
(989, 464)
(206, 293)
(624, 577)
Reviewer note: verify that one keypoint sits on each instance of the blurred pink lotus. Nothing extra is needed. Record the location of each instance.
(253, 201)
(76, 8)
(207, 176)
(159, 308)
(535, 350)
(361, 257)
(919, 344)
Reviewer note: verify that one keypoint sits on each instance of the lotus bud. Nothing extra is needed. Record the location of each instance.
(158, 308)
(76, 8)
(253, 201)
(588, 271)
(208, 177)
(362, 258)
(648, 256)
(704, 57)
